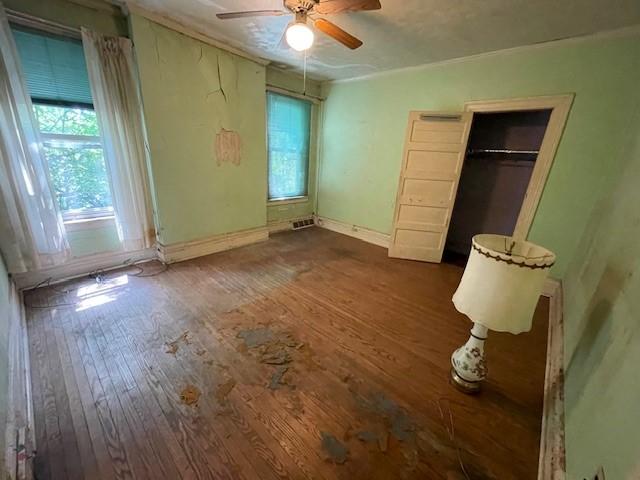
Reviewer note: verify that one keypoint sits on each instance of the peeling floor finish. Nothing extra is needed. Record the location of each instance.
(403, 33)
(363, 393)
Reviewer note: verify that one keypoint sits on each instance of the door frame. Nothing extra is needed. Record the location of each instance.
(559, 106)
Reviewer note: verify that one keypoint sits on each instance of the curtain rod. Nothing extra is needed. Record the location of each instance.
(37, 23)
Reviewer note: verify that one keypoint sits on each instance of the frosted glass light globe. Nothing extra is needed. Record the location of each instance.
(299, 36)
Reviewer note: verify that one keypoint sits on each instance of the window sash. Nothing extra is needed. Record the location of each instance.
(61, 139)
(87, 214)
(288, 138)
(78, 141)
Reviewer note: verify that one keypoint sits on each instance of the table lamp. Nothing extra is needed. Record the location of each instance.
(499, 291)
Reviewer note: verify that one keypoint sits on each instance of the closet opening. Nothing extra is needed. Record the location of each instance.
(500, 158)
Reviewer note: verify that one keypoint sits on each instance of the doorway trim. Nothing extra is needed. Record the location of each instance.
(559, 106)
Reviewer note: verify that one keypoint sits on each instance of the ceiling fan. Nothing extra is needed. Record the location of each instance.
(298, 34)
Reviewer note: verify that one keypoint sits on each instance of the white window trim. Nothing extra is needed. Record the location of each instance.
(287, 200)
(75, 225)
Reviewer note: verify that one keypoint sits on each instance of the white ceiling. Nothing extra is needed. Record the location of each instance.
(404, 32)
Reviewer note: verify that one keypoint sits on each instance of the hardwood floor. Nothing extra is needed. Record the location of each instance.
(313, 354)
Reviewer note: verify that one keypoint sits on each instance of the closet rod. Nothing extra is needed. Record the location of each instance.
(499, 150)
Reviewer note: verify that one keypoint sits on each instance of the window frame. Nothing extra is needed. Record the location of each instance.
(314, 102)
(70, 217)
(287, 200)
(89, 217)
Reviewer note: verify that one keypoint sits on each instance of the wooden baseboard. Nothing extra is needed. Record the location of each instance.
(178, 252)
(81, 267)
(19, 432)
(365, 234)
(279, 226)
(284, 225)
(552, 464)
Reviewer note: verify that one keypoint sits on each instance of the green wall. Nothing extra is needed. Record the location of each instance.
(602, 332)
(4, 358)
(293, 82)
(365, 121)
(280, 212)
(87, 241)
(190, 91)
(94, 14)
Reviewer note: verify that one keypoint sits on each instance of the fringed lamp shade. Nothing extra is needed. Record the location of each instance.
(502, 282)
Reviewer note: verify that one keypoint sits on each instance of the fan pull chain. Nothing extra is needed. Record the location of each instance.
(304, 74)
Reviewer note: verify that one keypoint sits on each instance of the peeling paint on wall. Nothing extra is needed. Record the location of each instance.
(228, 147)
(189, 121)
(220, 80)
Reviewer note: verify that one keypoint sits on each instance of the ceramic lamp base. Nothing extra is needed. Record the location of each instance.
(463, 385)
(469, 366)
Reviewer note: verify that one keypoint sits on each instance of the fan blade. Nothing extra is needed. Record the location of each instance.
(254, 13)
(326, 7)
(335, 32)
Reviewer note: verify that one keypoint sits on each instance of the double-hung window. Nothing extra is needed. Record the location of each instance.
(288, 132)
(58, 83)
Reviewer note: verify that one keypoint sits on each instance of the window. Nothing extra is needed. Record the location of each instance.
(288, 131)
(73, 151)
(56, 77)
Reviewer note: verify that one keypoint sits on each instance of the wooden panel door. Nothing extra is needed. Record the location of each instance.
(434, 151)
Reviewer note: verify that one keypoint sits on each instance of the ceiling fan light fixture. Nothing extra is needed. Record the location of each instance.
(299, 36)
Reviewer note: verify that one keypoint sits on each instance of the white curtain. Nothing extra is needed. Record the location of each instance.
(32, 234)
(118, 108)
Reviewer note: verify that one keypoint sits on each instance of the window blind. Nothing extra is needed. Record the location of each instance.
(288, 130)
(54, 67)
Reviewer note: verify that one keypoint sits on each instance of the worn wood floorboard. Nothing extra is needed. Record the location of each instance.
(349, 346)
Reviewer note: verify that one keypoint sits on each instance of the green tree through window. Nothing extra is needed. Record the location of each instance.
(75, 158)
